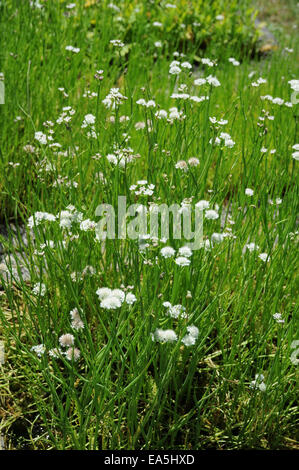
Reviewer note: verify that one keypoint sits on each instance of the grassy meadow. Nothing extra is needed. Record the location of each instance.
(146, 343)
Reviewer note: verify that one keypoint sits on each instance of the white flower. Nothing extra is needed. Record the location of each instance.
(185, 251)
(258, 383)
(139, 125)
(175, 311)
(39, 289)
(182, 261)
(181, 165)
(112, 158)
(89, 119)
(77, 323)
(147, 104)
(295, 155)
(251, 247)
(180, 96)
(72, 354)
(111, 302)
(202, 205)
(117, 43)
(193, 161)
(294, 84)
(200, 81)
(208, 62)
(38, 217)
(198, 99)
(130, 298)
(66, 340)
(141, 101)
(211, 214)
(151, 104)
(188, 340)
(278, 317)
(161, 114)
(72, 49)
(213, 81)
(167, 252)
(258, 82)
(193, 331)
(41, 137)
(55, 352)
(249, 192)
(87, 225)
(103, 292)
(118, 293)
(186, 65)
(113, 98)
(164, 336)
(39, 349)
(234, 61)
(217, 237)
(264, 257)
(175, 70)
(191, 337)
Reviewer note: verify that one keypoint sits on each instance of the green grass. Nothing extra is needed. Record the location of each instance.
(126, 391)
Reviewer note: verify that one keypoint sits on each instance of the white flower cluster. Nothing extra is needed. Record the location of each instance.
(77, 323)
(73, 49)
(147, 104)
(258, 383)
(117, 43)
(39, 349)
(190, 338)
(66, 115)
(68, 217)
(184, 254)
(295, 154)
(112, 299)
(38, 217)
(277, 100)
(223, 139)
(67, 341)
(175, 311)
(114, 98)
(89, 122)
(39, 289)
(213, 81)
(221, 122)
(208, 62)
(40, 137)
(122, 157)
(233, 61)
(259, 82)
(253, 247)
(87, 225)
(169, 336)
(142, 187)
(294, 84)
